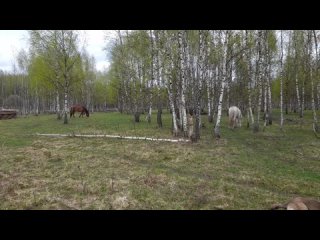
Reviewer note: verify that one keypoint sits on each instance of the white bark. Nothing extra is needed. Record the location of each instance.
(159, 83)
(259, 81)
(220, 104)
(209, 91)
(317, 62)
(318, 95)
(315, 119)
(265, 90)
(37, 104)
(248, 57)
(302, 100)
(57, 104)
(281, 83)
(223, 70)
(65, 110)
(296, 77)
(183, 115)
(152, 78)
(201, 77)
(269, 92)
(66, 101)
(298, 94)
(174, 117)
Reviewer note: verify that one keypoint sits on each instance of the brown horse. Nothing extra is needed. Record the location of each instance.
(78, 108)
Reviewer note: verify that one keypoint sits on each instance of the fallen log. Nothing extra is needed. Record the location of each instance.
(112, 136)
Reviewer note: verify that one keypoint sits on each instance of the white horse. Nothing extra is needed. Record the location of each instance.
(234, 117)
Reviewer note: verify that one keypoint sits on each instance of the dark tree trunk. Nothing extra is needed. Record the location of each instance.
(159, 118)
(137, 117)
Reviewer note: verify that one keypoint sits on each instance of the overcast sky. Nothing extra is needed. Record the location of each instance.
(12, 41)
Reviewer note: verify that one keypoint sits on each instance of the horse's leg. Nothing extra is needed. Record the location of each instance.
(231, 120)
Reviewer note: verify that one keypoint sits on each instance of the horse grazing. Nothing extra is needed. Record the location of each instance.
(78, 108)
(234, 117)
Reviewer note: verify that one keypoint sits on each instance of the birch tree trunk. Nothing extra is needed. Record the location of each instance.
(167, 65)
(210, 79)
(248, 56)
(65, 110)
(281, 82)
(223, 76)
(157, 65)
(265, 108)
(198, 86)
(296, 66)
(209, 96)
(317, 69)
(183, 116)
(259, 82)
(58, 105)
(152, 77)
(315, 119)
(37, 103)
(297, 92)
(302, 100)
(269, 93)
(318, 95)
(217, 127)
(174, 116)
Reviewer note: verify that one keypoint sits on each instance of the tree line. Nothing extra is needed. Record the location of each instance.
(195, 71)
(188, 72)
(55, 71)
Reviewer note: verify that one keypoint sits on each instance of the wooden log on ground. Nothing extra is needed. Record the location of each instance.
(112, 136)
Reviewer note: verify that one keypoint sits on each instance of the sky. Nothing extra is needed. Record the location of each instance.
(12, 41)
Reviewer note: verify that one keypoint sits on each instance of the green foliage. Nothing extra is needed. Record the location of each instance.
(41, 74)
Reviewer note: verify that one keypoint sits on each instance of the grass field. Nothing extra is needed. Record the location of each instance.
(242, 170)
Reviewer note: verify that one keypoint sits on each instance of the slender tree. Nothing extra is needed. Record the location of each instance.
(281, 81)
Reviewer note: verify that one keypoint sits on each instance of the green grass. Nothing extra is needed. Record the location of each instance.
(242, 170)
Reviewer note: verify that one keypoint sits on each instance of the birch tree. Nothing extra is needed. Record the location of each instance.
(150, 84)
(60, 50)
(259, 79)
(182, 91)
(281, 80)
(224, 39)
(313, 68)
(158, 70)
(248, 60)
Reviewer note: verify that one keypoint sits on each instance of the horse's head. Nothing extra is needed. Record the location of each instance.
(87, 112)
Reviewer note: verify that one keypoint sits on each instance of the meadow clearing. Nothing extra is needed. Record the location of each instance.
(243, 170)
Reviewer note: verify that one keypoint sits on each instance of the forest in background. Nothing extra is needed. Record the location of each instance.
(185, 71)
